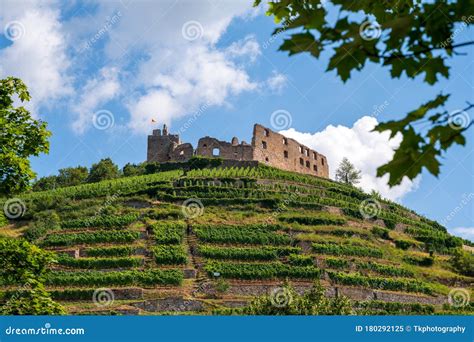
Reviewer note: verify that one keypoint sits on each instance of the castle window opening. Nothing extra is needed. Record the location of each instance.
(267, 160)
(315, 156)
(315, 168)
(285, 141)
(301, 149)
(181, 153)
(306, 152)
(285, 154)
(216, 152)
(266, 132)
(307, 164)
(322, 161)
(264, 145)
(301, 161)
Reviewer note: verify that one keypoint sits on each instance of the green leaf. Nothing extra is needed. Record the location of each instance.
(302, 42)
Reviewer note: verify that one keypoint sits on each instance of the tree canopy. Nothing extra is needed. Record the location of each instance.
(24, 265)
(347, 173)
(411, 38)
(103, 170)
(21, 137)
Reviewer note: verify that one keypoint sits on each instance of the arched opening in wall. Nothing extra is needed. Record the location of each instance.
(301, 161)
(266, 160)
(181, 153)
(285, 141)
(264, 145)
(216, 152)
(315, 168)
(204, 145)
(307, 164)
(285, 154)
(315, 156)
(322, 161)
(266, 132)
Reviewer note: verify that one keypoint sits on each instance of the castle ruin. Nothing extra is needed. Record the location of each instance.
(268, 147)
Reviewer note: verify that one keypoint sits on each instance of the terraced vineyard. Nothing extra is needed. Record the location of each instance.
(210, 240)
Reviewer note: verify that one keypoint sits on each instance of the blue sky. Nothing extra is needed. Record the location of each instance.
(213, 65)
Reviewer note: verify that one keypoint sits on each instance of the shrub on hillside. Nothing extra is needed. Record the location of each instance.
(170, 255)
(463, 262)
(333, 249)
(426, 261)
(315, 219)
(300, 260)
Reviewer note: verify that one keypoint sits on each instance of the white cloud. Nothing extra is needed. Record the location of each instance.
(367, 150)
(38, 56)
(95, 93)
(276, 82)
(464, 232)
(174, 76)
(245, 48)
(202, 77)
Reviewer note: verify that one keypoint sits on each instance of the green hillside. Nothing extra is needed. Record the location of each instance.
(241, 233)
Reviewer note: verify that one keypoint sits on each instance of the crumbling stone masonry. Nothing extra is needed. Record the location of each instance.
(267, 147)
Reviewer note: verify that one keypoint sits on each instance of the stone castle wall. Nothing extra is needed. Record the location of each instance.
(267, 147)
(276, 150)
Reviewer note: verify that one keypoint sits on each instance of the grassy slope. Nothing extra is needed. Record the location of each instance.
(252, 224)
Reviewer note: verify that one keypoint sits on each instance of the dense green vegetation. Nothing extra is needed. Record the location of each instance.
(408, 285)
(168, 232)
(150, 277)
(257, 225)
(169, 255)
(246, 253)
(101, 221)
(116, 251)
(100, 263)
(70, 239)
(333, 249)
(261, 270)
(259, 234)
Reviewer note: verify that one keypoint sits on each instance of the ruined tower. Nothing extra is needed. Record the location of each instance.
(267, 147)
